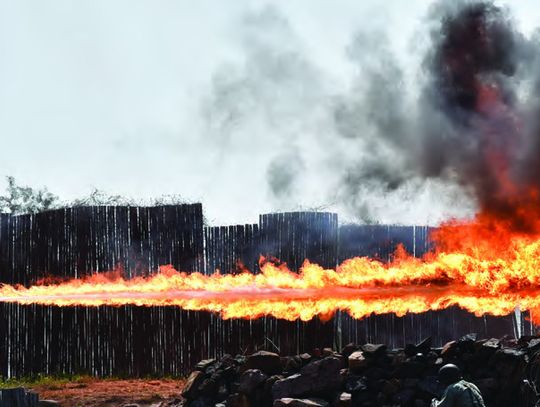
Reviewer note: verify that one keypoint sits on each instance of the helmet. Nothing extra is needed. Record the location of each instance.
(449, 374)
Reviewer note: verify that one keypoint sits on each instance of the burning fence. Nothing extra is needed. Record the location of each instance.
(497, 274)
(488, 265)
(116, 338)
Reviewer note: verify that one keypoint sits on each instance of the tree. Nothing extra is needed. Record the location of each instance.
(20, 199)
(97, 197)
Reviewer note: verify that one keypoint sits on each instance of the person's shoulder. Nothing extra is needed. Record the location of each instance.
(464, 383)
(455, 387)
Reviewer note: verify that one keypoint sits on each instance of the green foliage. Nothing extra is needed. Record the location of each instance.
(43, 380)
(20, 199)
(98, 197)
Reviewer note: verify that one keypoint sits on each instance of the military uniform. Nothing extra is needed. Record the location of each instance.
(460, 394)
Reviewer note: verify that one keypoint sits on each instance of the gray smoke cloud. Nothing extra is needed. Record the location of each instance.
(378, 149)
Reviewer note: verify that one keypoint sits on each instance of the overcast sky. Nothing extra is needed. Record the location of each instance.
(223, 102)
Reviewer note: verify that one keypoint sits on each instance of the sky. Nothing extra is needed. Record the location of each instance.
(228, 103)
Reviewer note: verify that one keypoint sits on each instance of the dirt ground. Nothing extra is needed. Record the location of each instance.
(112, 393)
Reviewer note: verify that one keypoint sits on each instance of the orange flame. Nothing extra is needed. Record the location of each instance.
(479, 266)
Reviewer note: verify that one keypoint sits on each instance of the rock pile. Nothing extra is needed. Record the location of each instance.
(369, 375)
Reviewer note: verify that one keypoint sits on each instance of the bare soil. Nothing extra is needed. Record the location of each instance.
(112, 393)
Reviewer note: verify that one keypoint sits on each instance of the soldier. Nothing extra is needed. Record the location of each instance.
(459, 392)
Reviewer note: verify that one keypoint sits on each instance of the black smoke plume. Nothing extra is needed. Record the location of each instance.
(477, 64)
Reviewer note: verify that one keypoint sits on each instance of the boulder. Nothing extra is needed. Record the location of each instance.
(424, 346)
(533, 345)
(296, 385)
(268, 362)
(204, 364)
(327, 352)
(305, 358)
(344, 399)
(355, 384)
(250, 380)
(238, 400)
(348, 349)
(192, 384)
(510, 364)
(291, 364)
(325, 374)
(208, 387)
(316, 378)
(373, 350)
(357, 361)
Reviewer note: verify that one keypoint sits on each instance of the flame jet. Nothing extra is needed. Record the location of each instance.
(493, 276)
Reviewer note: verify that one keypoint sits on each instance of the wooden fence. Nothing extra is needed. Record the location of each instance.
(137, 341)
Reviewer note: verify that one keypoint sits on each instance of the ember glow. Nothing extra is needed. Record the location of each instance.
(496, 274)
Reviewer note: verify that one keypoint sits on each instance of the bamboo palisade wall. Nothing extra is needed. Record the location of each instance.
(139, 341)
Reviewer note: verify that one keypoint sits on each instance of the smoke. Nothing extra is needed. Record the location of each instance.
(283, 172)
(462, 133)
(472, 114)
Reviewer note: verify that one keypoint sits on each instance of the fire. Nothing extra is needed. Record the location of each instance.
(480, 266)
(490, 264)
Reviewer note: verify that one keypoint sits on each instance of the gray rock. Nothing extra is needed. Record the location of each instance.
(204, 364)
(305, 358)
(208, 387)
(192, 383)
(325, 374)
(292, 386)
(290, 402)
(348, 349)
(328, 352)
(373, 350)
(355, 384)
(268, 362)
(250, 380)
(316, 378)
(424, 346)
(357, 361)
(291, 364)
(344, 400)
